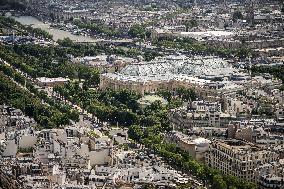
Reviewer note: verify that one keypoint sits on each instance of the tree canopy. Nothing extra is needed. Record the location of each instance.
(237, 15)
(137, 31)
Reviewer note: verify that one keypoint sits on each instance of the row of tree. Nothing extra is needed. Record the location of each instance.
(135, 31)
(194, 46)
(39, 61)
(76, 50)
(98, 28)
(139, 31)
(70, 114)
(46, 116)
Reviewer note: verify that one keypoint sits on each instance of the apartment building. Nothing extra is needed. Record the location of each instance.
(271, 175)
(238, 158)
(195, 146)
(246, 133)
(199, 114)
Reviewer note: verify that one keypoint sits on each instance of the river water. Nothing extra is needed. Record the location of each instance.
(56, 33)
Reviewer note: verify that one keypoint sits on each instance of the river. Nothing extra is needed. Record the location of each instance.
(56, 33)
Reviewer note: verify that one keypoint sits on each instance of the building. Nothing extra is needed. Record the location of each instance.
(238, 158)
(195, 146)
(70, 14)
(270, 175)
(235, 132)
(158, 33)
(173, 72)
(51, 82)
(199, 114)
(105, 63)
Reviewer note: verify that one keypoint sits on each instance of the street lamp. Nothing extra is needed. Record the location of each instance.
(115, 118)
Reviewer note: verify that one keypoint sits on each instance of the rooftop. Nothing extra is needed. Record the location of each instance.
(51, 80)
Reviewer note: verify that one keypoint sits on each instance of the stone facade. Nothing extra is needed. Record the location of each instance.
(238, 158)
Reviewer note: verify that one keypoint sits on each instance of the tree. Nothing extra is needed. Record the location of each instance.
(165, 94)
(137, 31)
(237, 15)
(44, 121)
(66, 42)
(150, 55)
(218, 182)
(149, 121)
(41, 33)
(74, 115)
(190, 24)
(135, 132)
(25, 150)
(233, 182)
(186, 94)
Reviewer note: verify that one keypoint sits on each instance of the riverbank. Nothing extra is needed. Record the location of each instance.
(61, 34)
(56, 33)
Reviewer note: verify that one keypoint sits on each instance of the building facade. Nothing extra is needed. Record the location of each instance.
(238, 158)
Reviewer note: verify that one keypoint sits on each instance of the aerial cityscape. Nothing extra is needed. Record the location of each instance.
(141, 94)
